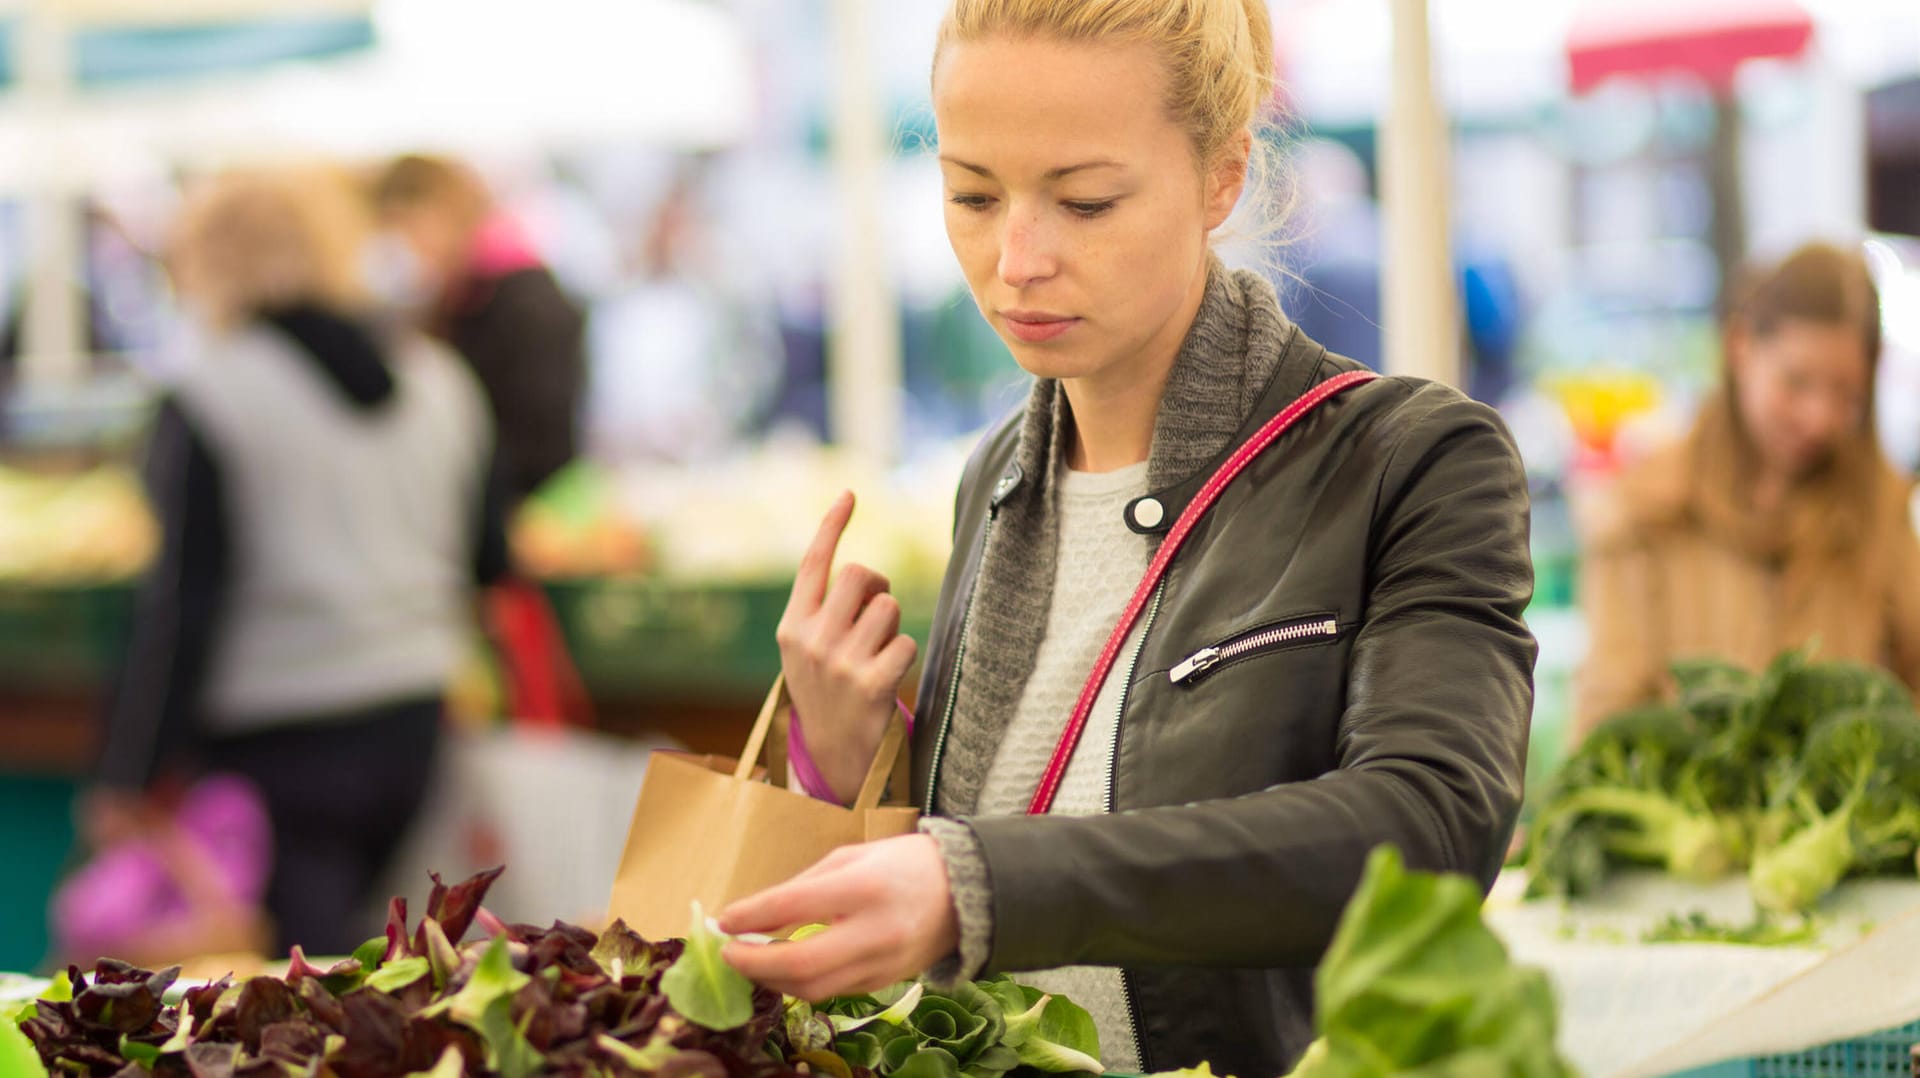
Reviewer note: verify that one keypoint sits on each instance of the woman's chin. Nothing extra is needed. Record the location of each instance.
(1043, 361)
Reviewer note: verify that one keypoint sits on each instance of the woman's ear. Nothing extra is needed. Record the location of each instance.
(1228, 178)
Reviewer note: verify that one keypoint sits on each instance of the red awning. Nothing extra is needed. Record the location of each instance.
(1706, 38)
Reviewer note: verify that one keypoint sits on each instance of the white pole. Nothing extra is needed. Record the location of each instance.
(53, 343)
(1420, 305)
(863, 336)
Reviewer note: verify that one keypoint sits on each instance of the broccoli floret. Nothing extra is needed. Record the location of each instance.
(1814, 691)
(1856, 805)
(1718, 694)
(1630, 793)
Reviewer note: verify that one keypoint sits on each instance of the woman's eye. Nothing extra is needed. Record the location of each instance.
(1091, 209)
(971, 202)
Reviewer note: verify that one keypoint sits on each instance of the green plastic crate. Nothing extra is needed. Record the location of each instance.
(658, 637)
(62, 636)
(36, 831)
(1887, 1054)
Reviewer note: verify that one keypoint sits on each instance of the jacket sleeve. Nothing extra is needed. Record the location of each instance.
(151, 711)
(1431, 747)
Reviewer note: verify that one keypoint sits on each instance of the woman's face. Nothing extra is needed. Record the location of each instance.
(1074, 202)
(1803, 390)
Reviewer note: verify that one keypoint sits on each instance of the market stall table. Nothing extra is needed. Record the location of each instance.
(1623, 1001)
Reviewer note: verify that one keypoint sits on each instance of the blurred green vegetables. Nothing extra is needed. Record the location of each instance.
(1801, 775)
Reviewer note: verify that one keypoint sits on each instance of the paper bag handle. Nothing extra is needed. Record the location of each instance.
(892, 762)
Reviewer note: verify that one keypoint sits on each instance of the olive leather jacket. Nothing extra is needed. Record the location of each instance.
(1363, 585)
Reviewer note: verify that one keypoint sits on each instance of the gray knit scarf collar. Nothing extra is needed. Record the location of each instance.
(1226, 364)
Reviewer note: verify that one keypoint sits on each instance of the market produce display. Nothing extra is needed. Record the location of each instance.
(1414, 983)
(526, 1000)
(1801, 775)
(574, 526)
(90, 527)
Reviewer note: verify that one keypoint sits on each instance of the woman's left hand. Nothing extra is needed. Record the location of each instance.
(890, 912)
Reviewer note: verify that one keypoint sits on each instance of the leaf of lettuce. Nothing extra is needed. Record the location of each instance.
(370, 953)
(1050, 1033)
(182, 1034)
(1023, 1024)
(895, 1015)
(1065, 1041)
(398, 974)
(929, 1063)
(992, 1063)
(450, 1065)
(442, 959)
(485, 1005)
(702, 987)
(144, 1054)
(645, 1060)
(868, 1047)
(1014, 1002)
(825, 1063)
(1415, 983)
(493, 978)
(508, 1050)
(17, 1054)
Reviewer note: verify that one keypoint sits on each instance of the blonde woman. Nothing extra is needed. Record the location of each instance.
(1334, 659)
(324, 492)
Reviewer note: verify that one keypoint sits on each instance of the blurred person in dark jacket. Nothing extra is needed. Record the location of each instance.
(488, 295)
(324, 491)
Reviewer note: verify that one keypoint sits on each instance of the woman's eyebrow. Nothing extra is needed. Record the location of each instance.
(1052, 174)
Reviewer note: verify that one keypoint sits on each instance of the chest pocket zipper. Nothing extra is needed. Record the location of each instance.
(1198, 664)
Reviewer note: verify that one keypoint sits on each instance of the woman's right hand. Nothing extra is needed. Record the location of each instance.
(844, 656)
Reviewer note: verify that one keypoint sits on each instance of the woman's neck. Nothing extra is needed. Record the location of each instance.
(1114, 409)
(1112, 420)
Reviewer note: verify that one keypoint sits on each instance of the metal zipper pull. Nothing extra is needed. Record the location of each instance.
(1197, 663)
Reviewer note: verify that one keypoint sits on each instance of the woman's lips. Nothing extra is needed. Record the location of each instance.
(1034, 327)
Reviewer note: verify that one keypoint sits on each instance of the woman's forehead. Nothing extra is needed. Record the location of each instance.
(1041, 104)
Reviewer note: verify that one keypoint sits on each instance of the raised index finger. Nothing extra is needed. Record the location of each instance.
(816, 565)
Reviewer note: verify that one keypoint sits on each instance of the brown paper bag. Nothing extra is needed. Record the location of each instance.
(715, 829)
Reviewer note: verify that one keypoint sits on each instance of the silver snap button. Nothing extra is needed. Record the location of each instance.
(1148, 512)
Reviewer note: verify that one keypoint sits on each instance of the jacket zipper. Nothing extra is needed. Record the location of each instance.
(1113, 770)
(1197, 664)
(953, 686)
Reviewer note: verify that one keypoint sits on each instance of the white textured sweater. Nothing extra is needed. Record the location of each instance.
(1100, 564)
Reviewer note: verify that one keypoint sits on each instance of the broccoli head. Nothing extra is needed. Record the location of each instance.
(1856, 804)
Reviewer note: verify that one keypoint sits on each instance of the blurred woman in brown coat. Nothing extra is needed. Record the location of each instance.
(1777, 522)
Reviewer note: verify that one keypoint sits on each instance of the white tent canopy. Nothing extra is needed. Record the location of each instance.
(451, 75)
(458, 75)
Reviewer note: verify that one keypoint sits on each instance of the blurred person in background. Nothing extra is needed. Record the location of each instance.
(323, 491)
(471, 277)
(483, 289)
(1777, 522)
